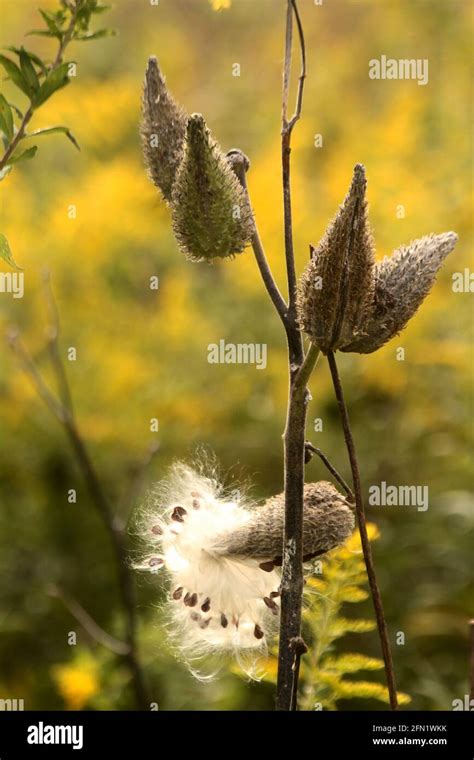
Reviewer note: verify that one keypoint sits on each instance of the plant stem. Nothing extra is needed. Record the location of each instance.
(298, 398)
(366, 548)
(291, 588)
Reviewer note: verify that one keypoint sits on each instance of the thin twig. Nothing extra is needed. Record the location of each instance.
(287, 128)
(302, 77)
(112, 524)
(240, 165)
(366, 548)
(313, 450)
(88, 623)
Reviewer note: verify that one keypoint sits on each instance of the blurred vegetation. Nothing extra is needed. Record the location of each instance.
(323, 684)
(142, 353)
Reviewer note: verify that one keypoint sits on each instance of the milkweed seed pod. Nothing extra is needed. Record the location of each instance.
(402, 282)
(163, 130)
(336, 287)
(222, 556)
(328, 522)
(211, 214)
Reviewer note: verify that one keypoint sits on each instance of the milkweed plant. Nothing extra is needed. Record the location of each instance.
(244, 580)
(235, 570)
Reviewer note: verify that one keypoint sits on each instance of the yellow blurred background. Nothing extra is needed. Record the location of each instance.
(142, 354)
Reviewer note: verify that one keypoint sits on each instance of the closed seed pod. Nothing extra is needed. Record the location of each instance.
(163, 130)
(211, 214)
(402, 282)
(336, 287)
(327, 522)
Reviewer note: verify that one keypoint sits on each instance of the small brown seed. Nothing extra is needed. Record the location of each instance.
(274, 594)
(271, 604)
(177, 594)
(205, 623)
(178, 514)
(157, 530)
(266, 566)
(206, 605)
(194, 616)
(224, 621)
(190, 600)
(257, 632)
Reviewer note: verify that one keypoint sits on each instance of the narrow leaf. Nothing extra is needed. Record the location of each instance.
(86, 36)
(5, 171)
(29, 72)
(52, 130)
(15, 74)
(51, 24)
(6, 254)
(40, 33)
(35, 58)
(54, 81)
(25, 155)
(6, 119)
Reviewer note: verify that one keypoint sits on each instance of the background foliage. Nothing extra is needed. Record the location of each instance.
(143, 354)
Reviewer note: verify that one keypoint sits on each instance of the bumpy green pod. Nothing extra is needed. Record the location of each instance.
(211, 214)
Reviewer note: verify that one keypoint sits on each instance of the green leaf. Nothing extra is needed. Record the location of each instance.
(16, 109)
(29, 72)
(6, 254)
(51, 23)
(101, 8)
(35, 58)
(52, 130)
(40, 33)
(5, 171)
(53, 82)
(24, 156)
(86, 36)
(6, 119)
(15, 74)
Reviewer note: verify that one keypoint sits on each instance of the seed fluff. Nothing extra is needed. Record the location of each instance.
(222, 555)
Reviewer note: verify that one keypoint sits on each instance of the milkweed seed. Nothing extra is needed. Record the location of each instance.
(190, 600)
(206, 605)
(270, 604)
(178, 514)
(257, 632)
